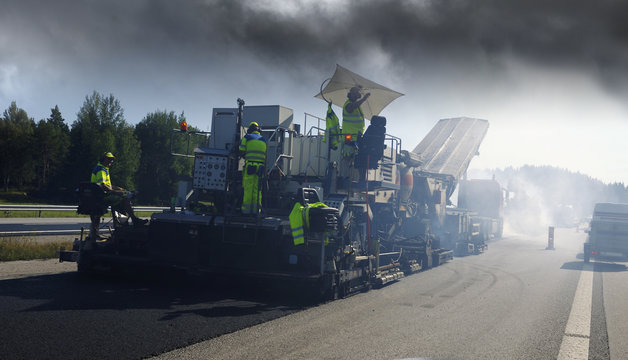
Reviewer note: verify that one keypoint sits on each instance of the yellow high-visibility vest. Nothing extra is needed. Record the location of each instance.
(300, 220)
(100, 175)
(254, 147)
(296, 224)
(352, 122)
(332, 127)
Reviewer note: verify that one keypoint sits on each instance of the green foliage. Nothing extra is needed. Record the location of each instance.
(52, 142)
(159, 170)
(15, 197)
(128, 155)
(100, 127)
(16, 147)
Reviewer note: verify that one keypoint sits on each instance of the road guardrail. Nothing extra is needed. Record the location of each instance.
(41, 208)
(67, 208)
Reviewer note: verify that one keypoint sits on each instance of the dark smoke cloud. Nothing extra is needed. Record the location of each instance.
(548, 32)
(239, 42)
(555, 33)
(551, 65)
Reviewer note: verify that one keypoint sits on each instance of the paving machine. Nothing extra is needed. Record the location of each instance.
(382, 213)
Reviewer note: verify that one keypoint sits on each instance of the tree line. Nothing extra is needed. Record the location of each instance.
(49, 158)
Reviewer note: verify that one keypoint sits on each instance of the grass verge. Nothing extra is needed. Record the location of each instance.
(12, 249)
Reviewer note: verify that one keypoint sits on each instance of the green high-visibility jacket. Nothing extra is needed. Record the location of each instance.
(332, 127)
(296, 224)
(254, 147)
(352, 122)
(100, 175)
(300, 220)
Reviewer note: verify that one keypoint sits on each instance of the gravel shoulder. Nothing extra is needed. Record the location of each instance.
(22, 269)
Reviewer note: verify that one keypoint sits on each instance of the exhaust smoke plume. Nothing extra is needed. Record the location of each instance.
(542, 196)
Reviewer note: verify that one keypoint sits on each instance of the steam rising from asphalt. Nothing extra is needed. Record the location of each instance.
(539, 197)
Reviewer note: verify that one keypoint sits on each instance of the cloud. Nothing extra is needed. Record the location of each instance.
(546, 32)
(158, 40)
(503, 60)
(7, 79)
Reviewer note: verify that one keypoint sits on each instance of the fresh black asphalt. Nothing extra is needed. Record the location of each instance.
(67, 316)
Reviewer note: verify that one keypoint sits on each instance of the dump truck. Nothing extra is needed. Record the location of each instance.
(481, 200)
(608, 231)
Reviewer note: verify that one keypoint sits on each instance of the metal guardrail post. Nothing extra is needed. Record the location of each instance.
(550, 239)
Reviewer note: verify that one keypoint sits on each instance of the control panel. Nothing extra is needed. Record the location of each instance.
(210, 171)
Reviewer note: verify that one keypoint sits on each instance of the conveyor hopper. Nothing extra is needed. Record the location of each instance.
(451, 144)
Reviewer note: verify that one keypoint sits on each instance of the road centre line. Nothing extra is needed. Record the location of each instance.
(575, 343)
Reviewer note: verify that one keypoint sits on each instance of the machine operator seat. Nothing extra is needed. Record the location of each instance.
(371, 145)
(91, 199)
(321, 219)
(307, 196)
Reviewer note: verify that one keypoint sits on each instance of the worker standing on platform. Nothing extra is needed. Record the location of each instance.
(332, 128)
(253, 148)
(353, 117)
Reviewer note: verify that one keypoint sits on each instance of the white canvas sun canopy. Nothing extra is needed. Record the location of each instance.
(343, 80)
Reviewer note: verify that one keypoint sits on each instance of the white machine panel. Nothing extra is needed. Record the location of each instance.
(210, 171)
(267, 116)
(309, 156)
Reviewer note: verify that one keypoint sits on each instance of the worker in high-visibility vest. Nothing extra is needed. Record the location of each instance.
(332, 128)
(115, 196)
(253, 147)
(353, 117)
(297, 223)
(300, 221)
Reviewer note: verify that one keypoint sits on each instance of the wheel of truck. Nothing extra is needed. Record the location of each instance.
(331, 294)
(367, 287)
(500, 230)
(426, 261)
(331, 290)
(587, 253)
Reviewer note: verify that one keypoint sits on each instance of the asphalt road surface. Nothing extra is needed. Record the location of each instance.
(28, 226)
(60, 229)
(39, 224)
(516, 301)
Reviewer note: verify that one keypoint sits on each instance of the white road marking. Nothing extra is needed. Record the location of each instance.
(575, 343)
